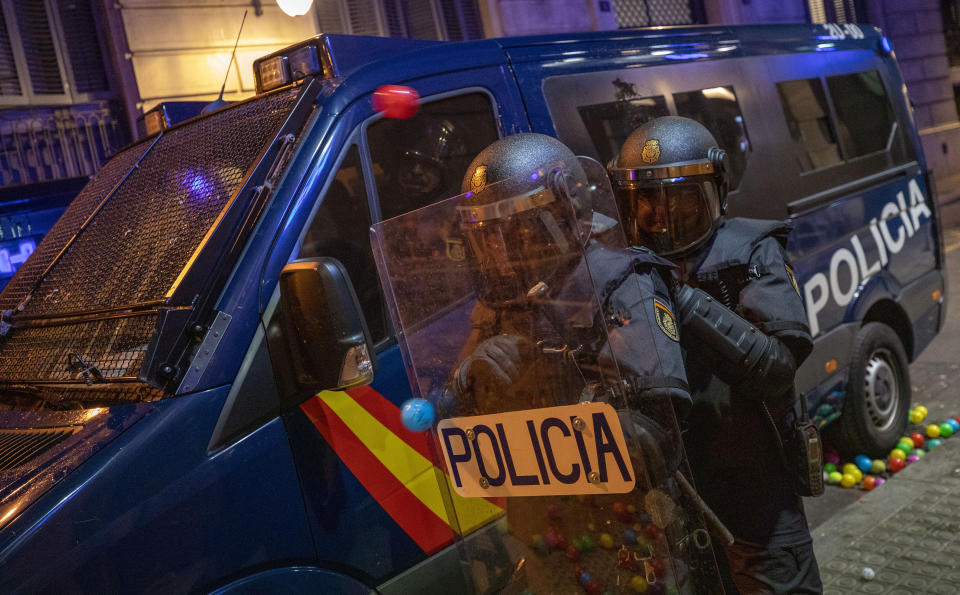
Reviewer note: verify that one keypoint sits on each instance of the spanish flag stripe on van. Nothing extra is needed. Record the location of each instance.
(430, 532)
(364, 429)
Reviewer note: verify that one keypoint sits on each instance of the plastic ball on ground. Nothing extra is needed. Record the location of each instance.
(417, 414)
(897, 464)
(659, 568)
(953, 424)
(932, 444)
(620, 511)
(653, 532)
(832, 457)
(835, 477)
(905, 446)
(585, 543)
(915, 416)
(540, 545)
(863, 463)
(848, 480)
(606, 541)
(829, 467)
(869, 482)
(917, 438)
(921, 409)
(593, 588)
(896, 453)
(911, 459)
(919, 452)
(907, 440)
(879, 482)
(630, 537)
(946, 430)
(878, 466)
(638, 584)
(585, 578)
(868, 574)
(848, 468)
(572, 553)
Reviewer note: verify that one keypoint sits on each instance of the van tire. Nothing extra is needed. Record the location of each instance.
(875, 410)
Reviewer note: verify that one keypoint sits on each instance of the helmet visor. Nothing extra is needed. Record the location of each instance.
(667, 216)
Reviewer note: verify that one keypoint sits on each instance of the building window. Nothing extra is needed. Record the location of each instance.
(835, 11)
(649, 13)
(453, 20)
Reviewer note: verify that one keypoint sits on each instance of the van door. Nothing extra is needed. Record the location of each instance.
(370, 485)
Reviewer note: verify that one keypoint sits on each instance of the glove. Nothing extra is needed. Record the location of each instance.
(495, 359)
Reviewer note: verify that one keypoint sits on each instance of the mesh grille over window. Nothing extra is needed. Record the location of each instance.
(80, 35)
(130, 254)
(9, 83)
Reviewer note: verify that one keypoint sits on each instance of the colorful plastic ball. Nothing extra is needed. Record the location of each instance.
(897, 464)
(878, 466)
(953, 424)
(918, 452)
(921, 409)
(584, 544)
(905, 446)
(638, 584)
(917, 438)
(630, 537)
(653, 532)
(868, 574)
(620, 511)
(829, 467)
(908, 440)
(835, 477)
(572, 553)
(417, 415)
(915, 416)
(912, 459)
(659, 568)
(863, 463)
(946, 430)
(606, 541)
(585, 578)
(593, 588)
(540, 545)
(897, 453)
(849, 468)
(869, 482)
(879, 482)
(932, 444)
(553, 512)
(848, 480)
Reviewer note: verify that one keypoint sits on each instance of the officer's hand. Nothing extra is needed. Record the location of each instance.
(496, 358)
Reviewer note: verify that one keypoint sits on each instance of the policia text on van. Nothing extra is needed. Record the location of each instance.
(151, 443)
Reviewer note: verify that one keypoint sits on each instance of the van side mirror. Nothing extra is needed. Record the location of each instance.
(321, 330)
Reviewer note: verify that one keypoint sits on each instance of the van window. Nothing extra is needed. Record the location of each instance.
(865, 121)
(422, 160)
(609, 124)
(340, 229)
(717, 109)
(808, 118)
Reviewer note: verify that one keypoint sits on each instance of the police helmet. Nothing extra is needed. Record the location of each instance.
(670, 179)
(429, 155)
(517, 227)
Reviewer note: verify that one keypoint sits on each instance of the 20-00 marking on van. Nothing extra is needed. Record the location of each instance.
(573, 449)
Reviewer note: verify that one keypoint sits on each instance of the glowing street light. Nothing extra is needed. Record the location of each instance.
(294, 8)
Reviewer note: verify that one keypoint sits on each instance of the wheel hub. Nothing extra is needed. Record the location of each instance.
(882, 390)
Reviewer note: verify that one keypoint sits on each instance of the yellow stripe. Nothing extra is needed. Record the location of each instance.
(414, 471)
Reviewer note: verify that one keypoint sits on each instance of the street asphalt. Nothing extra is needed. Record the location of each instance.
(905, 534)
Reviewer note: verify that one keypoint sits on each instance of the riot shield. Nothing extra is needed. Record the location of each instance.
(502, 321)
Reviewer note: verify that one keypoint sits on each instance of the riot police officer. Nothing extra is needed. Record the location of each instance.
(558, 319)
(670, 179)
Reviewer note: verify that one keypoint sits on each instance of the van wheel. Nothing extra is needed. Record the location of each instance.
(878, 392)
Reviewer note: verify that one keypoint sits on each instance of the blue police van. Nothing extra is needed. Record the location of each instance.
(193, 399)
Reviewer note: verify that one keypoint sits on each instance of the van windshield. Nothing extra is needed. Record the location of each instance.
(80, 315)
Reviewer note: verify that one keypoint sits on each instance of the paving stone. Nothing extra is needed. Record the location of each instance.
(838, 566)
(943, 589)
(845, 582)
(917, 583)
(873, 559)
(872, 587)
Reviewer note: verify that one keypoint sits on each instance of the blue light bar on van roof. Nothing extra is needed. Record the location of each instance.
(886, 45)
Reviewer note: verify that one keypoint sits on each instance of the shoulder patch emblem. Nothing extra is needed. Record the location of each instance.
(792, 279)
(665, 320)
(651, 151)
(455, 250)
(479, 179)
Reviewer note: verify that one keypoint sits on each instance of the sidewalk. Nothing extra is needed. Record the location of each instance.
(907, 531)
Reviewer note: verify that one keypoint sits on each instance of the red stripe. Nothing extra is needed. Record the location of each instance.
(429, 531)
